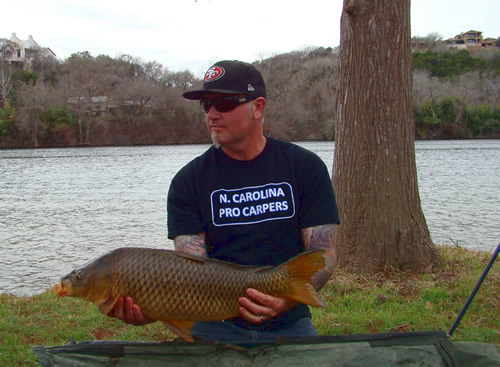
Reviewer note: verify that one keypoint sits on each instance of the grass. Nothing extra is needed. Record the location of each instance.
(389, 301)
(393, 301)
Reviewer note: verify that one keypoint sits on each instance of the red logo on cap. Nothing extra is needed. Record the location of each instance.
(214, 73)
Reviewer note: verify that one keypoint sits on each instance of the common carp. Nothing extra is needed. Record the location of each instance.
(178, 289)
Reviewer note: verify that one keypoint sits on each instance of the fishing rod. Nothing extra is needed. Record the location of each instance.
(474, 291)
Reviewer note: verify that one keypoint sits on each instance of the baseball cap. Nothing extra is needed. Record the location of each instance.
(231, 77)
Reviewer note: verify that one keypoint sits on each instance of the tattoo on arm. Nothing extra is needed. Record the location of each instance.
(191, 244)
(320, 278)
(322, 238)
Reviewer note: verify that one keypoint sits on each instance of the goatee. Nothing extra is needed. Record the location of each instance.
(215, 142)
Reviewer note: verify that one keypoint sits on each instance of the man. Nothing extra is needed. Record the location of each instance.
(250, 200)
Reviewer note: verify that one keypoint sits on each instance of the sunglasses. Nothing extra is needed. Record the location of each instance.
(223, 103)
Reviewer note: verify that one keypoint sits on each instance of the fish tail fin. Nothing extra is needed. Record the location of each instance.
(301, 268)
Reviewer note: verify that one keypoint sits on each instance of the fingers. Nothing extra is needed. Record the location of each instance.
(251, 317)
(258, 306)
(273, 303)
(138, 317)
(117, 310)
(127, 311)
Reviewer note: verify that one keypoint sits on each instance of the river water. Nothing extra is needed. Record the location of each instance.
(60, 208)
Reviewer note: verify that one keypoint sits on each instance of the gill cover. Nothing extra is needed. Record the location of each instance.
(92, 282)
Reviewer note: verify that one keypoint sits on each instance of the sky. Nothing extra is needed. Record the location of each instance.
(194, 34)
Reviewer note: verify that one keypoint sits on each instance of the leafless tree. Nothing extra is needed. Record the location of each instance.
(82, 85)
(6, 83)
(432, 39)
(491, 89)
(427, 87)
(34, 99)
(181, 79)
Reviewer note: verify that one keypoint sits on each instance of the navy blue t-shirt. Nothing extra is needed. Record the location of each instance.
(252, 211)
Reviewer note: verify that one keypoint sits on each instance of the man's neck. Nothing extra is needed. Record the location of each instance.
(247, 152)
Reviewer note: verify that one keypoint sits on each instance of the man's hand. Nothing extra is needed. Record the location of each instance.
(258, 307)
(127, 311)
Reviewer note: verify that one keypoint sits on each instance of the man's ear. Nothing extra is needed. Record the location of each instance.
(258, 106)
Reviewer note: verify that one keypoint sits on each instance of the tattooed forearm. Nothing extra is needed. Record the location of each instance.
(320, 278)
(319, 237)
(191, 244)
(323, 238)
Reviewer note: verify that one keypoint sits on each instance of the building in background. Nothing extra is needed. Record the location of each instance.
(471, 39)
(22, 53)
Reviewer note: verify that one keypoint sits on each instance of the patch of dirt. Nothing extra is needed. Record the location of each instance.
(101, 333)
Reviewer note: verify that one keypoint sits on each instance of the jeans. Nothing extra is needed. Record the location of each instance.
(228, 332)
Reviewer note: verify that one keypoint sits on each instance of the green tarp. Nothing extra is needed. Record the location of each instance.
(432, 348)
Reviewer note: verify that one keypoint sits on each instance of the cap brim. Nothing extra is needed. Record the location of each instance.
(198, 94)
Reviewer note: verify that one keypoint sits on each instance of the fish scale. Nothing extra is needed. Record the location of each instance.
(171, 276)
(178, 290)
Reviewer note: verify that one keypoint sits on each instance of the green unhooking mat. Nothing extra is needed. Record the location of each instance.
(432, 348)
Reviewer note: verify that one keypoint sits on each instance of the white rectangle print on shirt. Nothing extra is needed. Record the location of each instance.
(254, 204)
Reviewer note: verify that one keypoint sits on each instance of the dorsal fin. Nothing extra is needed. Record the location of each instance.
(221, 262)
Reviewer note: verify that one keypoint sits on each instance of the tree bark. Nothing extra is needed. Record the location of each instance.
(374, 173)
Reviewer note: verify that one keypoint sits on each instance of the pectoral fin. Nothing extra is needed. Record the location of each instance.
(108, 304)
(181, 328)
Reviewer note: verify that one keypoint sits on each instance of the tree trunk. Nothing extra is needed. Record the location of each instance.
(374, 173)
(35, 128)
(80, 127)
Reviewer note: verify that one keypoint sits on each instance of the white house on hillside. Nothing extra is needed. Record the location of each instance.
(23, 52)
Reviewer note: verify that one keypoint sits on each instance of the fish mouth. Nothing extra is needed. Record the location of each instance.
(60, 290)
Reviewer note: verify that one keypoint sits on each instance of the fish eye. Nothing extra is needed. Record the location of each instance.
(79, 275)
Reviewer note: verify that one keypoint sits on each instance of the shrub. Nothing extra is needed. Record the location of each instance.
(482, 120)
(7, 120)
(448, 64)
(59, 126)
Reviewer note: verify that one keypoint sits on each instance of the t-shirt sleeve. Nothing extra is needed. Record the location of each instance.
(318, 205)
(183, 214)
